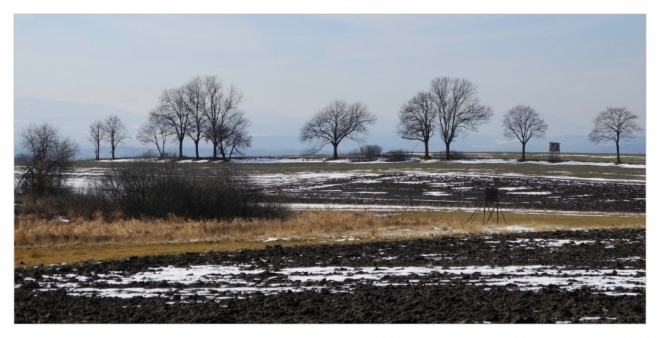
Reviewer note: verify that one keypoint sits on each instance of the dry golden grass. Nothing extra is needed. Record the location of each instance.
(39, 241)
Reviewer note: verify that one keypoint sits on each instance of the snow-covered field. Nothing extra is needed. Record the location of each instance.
(224, 281)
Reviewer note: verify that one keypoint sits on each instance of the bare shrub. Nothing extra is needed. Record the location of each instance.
(162, 189)
(397, 155)
(47, 159)
(366, 153)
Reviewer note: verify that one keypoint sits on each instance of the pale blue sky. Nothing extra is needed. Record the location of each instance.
(572, 66)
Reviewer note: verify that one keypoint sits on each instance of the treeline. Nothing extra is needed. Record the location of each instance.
(203, 109)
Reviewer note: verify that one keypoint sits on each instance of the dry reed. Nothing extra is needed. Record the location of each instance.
(30, 231)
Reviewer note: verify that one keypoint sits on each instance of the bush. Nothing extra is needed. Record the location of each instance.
(366, 153)
(159, 189)
(397, 155)
(47, 159)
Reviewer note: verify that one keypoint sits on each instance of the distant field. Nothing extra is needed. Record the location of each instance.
(37, 240)
(280, 169)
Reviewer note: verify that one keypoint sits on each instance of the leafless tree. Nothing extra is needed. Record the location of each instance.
(237, 137)
(96, 135)
(115, 132)
(459, 110)
(155, 131)
(418, 120)
(47, 159)
(523, 123)
(174, 112)
(614, 124)
(224, 123)
(195, 100)
(337, 121)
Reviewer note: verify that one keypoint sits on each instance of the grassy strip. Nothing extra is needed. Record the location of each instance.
(528, 169)
(39, 241)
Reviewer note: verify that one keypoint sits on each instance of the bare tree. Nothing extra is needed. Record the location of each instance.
(47, 158)
(96, 135)
(523, 123)
(337, 121)
(195, 100)
(459, 110)
(115, 131)
(174, 112)
(614, 124)
(237, 137)
(224, 123)
(155, 131)
(417, 120)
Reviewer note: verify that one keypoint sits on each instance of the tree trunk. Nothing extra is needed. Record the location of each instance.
(215, 151)
(222, 152)
(180, 148)
(447, 151)
(112, 145)
(618, 158)
(335, 153)
(426, 150)
(523, 157)
(197, 150)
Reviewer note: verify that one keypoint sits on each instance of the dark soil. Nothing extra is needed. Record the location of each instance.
(412, 299)
(468, 191)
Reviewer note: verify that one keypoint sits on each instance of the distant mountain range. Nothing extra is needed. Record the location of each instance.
(275, 133)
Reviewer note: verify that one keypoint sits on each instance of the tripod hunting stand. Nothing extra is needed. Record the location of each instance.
(491, 205)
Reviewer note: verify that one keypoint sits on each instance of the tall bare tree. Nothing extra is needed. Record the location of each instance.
(155, 131)
(174, 112)
(195, 101)
(418, 120)
(48, 157)
(337, 121)
(523, 123)
(96, 135)
(614, 124)
(223, 119)
(115, 131)
(459, 110)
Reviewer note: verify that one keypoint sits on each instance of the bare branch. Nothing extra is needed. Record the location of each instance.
(155, 131)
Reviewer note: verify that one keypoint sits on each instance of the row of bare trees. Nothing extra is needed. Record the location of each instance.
(450, 108)
(111, 129)
(202, 109)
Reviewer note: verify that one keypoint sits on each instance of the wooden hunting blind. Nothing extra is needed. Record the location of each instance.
(554, 152)
(491, 194)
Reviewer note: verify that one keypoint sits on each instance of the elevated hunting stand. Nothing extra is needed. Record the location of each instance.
(491, 205)
(554, 152)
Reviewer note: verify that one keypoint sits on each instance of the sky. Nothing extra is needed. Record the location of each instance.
(572, 66)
